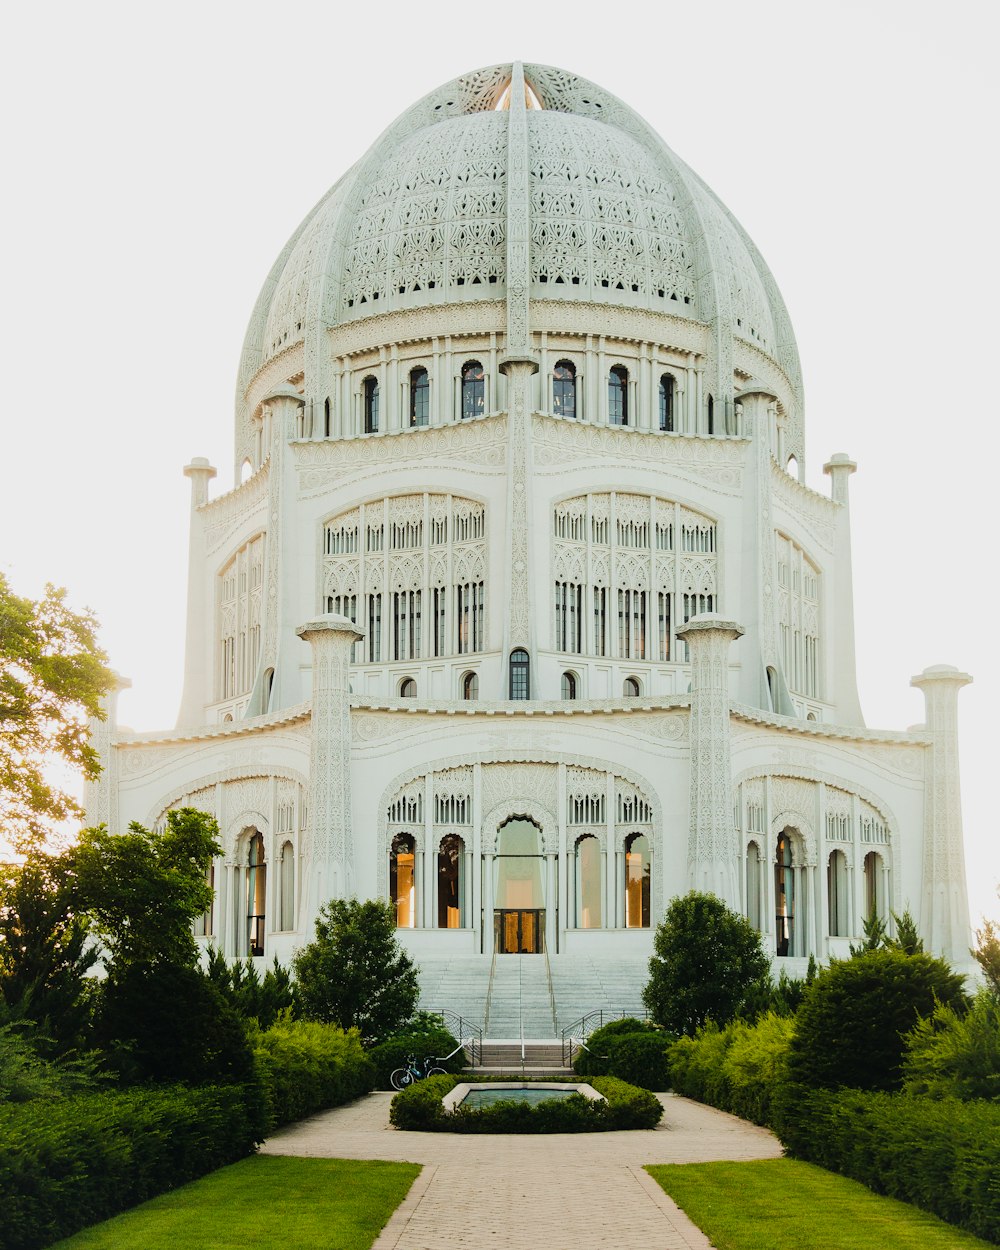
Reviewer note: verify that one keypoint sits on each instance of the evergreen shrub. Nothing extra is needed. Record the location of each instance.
(69, 1162)
(425, 1035)
(955, 1056)
(641, 1059)
(306, 1067)
(594, 1060)
(941, 1155)
(419, 1108)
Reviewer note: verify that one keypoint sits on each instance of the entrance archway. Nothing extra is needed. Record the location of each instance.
(519, 889)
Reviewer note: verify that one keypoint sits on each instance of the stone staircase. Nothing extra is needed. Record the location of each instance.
(511, 1060)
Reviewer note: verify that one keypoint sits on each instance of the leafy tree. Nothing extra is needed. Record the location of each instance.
(987, 954)
(907, 937)
(955, 1056)
(849, 1029)
(354, 972)
(252, 996)
(707, 962)
(45, 952)
(144, 889)
(52, 678)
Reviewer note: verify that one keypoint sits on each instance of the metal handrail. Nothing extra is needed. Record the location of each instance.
(470, 1035)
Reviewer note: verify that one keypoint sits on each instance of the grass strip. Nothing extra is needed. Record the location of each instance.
(783, 1202)
(264, 1201)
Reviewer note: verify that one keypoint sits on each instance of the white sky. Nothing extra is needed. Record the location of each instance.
(156, 160)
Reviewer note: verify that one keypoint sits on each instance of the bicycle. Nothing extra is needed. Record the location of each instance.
(415, 1070)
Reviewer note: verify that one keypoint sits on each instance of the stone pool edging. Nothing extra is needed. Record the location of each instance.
(451, 1100)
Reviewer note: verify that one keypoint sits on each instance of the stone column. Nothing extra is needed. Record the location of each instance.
(713, 847)
(200, 632)
(838, 683)
(944, 910)
(100, 796)
(328, 854)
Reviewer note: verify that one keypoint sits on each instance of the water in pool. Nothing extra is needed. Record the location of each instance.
(486, 1097)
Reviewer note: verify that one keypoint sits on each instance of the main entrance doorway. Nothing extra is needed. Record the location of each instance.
(518, 931)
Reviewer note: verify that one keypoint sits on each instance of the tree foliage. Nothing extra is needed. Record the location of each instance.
(986, 953)
(949, 1055)
(144, 889)
(707, 961)
(354, 972)
(252, 996)
(45, 952)
(850, 1027)
(53, 676)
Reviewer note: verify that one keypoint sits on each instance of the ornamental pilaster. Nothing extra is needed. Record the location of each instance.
(713, 847)
(328, 868)
(944, 909)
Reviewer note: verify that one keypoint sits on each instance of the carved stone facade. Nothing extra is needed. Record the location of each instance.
(515, 422)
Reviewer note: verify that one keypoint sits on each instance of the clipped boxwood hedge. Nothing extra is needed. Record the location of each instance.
(419, 1108)
(69, 1162)
(941, 1155)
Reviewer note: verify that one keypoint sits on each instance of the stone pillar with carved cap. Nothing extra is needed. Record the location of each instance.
(199, 636)
(328, 851)
(713, 847)
(944, 907)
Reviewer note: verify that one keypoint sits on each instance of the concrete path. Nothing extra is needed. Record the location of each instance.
(552, 1192)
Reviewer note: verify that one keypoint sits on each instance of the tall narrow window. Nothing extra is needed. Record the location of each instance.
(326, 418)
(420, 397)
(667, 402)
(406, 605)
(711, 415)
(637, 877)
(784, 895)
(438, 623)
(618, 396)
(286, 866)
(837, 894)
(663, 625)
(473, 390)
(374, 628)
(564, 389)
(256, 894)
(754, 882)
(588, 883)
(371, 405)
(470, 614)
(569, 617)
(520, 685)
(874, 893)
(204, 925)
(600, 620)
(632, 624)
(402, 861)
(568, 686)
(451, 882)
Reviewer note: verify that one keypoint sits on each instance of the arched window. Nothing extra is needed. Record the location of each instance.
(631, 688)
(407, 688)
(520, 684)
(837, 894)
(473, 390)
(667, 402)
(246, 471)
(874, 886)
(470, 686)
(371, 405)
(268, 687)
(618, 396)
(420, 397)
(754, 882)
(637, 876)
(792, 467)
(772, 688)
(451, 883)
(564, 389)
(402, 861)
(326, 417)
(588, 883)
(286, 866)
(711, 415)
(256, 893)
(568, 686)
(784, 895)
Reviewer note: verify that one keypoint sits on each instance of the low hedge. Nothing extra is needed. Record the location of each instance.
(306, 1067)
(425, 1037)
(625, 1107)
(69, 1162)
(941, 1155)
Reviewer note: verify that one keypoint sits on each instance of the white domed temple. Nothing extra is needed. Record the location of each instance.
(521, 615)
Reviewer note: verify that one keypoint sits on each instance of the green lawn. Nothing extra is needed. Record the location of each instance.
(263, 1202)
(781, 1202)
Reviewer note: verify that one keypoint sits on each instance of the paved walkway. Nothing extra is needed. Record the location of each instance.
(551, 1192)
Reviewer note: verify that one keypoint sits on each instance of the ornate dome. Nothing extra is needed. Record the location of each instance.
(613, 218)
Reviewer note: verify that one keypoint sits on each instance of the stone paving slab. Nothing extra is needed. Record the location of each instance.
(559, 1191)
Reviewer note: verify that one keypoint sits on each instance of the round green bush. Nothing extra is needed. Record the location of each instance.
(850, 1028)
(425, 1036)
(593, 1060)
(641, 1059)
(419, 1108)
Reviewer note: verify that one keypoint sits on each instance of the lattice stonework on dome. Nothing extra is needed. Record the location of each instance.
(239, 610)
(434, 217)
(798, 617)
(411, 569)
(629, 570)
(603, 215)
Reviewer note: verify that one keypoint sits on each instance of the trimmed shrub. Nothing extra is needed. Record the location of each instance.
(306, 1067)
(941, 1155)
(641, 1059)
(697, 1066)
(594, 1060)
(953, 1056)
(426, 1035)
(69, 1162)
(849, 1030)
(625, 1107)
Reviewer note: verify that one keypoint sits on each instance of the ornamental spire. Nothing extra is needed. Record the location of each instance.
(518, 242)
